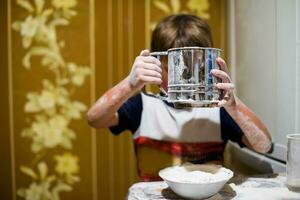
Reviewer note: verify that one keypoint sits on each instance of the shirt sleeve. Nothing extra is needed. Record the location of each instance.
(229, 128)
(129, 115)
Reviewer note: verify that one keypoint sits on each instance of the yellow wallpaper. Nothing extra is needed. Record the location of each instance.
(48, 100)
(104, 36)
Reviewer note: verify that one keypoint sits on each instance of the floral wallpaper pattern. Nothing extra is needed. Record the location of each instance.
(52, 109)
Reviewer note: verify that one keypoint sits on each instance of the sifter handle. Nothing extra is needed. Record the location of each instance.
(156, 55)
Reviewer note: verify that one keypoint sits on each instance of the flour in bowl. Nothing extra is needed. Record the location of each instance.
(195, 174)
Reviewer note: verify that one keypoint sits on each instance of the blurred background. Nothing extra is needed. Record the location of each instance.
(59, 56)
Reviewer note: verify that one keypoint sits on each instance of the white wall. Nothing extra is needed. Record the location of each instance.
(264, 54)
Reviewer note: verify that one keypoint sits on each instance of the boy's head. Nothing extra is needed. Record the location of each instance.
(181, 30)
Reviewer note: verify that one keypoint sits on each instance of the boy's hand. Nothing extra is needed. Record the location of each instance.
(145, 70)
(226, 84)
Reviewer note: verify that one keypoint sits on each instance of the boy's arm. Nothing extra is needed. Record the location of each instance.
(144, 70)
(256, 135)
(104, 112)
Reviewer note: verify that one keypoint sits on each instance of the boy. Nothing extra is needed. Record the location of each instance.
(162, 134)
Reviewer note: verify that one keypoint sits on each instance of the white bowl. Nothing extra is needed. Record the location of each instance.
(183, 182)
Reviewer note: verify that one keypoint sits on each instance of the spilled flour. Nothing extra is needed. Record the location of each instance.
(186, 174)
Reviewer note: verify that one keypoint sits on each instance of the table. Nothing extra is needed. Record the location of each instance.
(266, 187)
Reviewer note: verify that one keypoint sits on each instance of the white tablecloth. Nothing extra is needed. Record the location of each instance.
(240, 188)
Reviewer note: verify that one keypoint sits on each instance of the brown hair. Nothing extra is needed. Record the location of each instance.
(181, 30)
